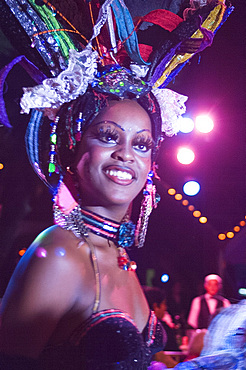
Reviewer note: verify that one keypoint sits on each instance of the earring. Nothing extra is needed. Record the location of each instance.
(150, 200)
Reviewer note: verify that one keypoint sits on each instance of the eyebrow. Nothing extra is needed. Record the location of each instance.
(143, 130)
(120, 127)
(114, 123)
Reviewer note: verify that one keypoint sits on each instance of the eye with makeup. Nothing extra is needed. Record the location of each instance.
(143, 143)
(107, 134)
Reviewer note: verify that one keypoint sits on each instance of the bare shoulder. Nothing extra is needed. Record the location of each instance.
(53, 260)
(46, 285)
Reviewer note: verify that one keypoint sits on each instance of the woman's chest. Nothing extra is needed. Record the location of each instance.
(121, 289)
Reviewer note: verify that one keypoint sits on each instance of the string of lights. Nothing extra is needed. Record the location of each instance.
(229, 234)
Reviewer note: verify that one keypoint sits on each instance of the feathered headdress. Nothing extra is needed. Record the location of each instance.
(110, 47)
(64, 45)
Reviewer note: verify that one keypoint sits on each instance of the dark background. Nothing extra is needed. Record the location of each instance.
(176, 242)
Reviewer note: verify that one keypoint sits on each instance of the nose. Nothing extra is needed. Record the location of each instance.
(123, 153)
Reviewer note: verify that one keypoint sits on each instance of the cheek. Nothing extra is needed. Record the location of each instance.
(145, 168)
(83, 166)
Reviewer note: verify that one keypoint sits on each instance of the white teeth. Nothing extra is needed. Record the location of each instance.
(122, 175)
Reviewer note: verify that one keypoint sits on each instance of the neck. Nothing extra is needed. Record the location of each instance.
(82, 221)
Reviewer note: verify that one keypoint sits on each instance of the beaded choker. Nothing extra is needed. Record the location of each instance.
(81, 220)
(122, 234)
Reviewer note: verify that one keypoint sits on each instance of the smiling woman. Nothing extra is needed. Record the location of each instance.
(118, 156)
(92, 286)
(74, 300)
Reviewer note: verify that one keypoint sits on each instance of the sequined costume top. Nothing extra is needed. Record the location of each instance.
(109, 339)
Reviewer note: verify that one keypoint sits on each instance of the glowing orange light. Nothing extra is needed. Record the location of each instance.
(22, 251)
(236, 228)
(185, 202)
(230, 234)
(191, 208)
(221, 236)
(178, 197)
(171, 191)
(203, 220)
(196, 213)
(1, 166)
(242, 223)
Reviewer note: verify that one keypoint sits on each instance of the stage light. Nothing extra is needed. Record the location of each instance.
(186, 124)
(22, 252)
(196, 213)
(185, 156)
(230, 234)
(204, 124)
(242, 291)
(165, 278)
(171, 191)
(203, 220)
(221, 236)
(191, 188)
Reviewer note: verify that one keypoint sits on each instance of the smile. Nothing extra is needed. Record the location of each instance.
(120, 176)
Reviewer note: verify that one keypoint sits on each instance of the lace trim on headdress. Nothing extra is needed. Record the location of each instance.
(81, 71)
(172, 106)
(67, 86)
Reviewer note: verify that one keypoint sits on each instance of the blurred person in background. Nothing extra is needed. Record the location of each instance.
(206, 305)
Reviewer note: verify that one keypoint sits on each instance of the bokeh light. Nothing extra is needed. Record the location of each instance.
(185, 202)
(22, 252)
(204, 124)
(191, 208)
(165, 278)
(196, 213)
(178, 196)
(230, 234)
(186, 124)
(191, 188)
(242, 291)
(221, 236)
(203, 220)
(185, 156)
(236, 229)
(171, 191)
(242, 223)
(1, 166)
